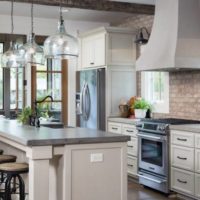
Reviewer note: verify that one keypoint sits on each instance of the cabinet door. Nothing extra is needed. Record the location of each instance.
(182, 157)
(114, 127)
(183, 181)
(87, 52)
(197, 160)
(130, 130)
(99, 50)
(182, 138)
(132, 146)
(197, 185)
(121, 49)
(132, 165)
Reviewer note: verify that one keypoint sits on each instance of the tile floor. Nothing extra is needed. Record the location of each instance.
(138, 192)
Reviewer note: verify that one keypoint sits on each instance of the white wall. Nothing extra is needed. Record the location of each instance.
(44, 26)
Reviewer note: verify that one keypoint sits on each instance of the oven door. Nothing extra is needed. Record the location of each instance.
(153, 153)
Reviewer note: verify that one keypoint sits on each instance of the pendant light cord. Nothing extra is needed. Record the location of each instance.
(61, 17)
(32, 23)
(12, 23)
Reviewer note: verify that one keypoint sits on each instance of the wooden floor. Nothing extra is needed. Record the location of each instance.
(138, 192)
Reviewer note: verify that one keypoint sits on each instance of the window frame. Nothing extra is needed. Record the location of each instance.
(158, 106)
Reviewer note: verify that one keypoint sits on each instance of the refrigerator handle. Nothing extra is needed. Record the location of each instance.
(81, 100)
(87, 102)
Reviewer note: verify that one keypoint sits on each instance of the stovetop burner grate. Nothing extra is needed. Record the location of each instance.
(172, 121)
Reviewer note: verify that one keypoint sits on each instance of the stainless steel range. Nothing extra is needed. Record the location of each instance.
(153, 145)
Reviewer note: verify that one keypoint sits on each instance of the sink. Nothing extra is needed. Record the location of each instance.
(55, 125)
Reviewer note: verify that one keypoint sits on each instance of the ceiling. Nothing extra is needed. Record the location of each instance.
(149, 2)
(41, 11)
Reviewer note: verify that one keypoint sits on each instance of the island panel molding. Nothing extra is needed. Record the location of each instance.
(98, 5)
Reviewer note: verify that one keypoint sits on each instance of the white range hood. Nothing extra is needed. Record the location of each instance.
(175, 38)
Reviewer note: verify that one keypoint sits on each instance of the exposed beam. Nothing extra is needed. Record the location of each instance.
(103, 5)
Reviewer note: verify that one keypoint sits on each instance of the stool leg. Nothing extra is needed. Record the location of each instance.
(21, 188)
(7, 187)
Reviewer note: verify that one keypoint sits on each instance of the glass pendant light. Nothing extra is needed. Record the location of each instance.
(12, 58)
(61, 45)
(32, 52)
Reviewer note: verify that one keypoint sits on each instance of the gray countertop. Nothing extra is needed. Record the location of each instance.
(195, 128)
(32, 136)
(123, 120)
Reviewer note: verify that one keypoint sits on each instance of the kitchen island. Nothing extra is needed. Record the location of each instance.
(70, 163)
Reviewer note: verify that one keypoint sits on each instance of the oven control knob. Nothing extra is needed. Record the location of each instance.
(161, 128)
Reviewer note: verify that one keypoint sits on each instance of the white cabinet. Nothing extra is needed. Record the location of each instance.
(93, 51)
(182, 180)
(197, 185)
(182, 157)
(183, 138)
(185, 163)
(114, 127)
(132, 145)
(107, 46)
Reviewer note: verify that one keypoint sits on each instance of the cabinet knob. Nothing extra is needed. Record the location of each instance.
(92, 63)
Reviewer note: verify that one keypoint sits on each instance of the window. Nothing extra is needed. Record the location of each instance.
(16, 89)
(155, 89)
(1, 78)
(51, 80)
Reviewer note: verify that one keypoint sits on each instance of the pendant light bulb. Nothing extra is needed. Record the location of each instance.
(61, 45)
(31, 51)
(12, 58)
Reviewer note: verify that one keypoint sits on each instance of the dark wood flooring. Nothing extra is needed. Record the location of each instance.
(138, 192)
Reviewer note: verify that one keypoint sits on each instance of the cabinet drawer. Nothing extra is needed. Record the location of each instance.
(197, 140)
(132, 147)
(114, 128)
(182, 181)
(182, 138)
(197, 185)
(197, 160)
(129, 130)
(132, 165)
(182, 157)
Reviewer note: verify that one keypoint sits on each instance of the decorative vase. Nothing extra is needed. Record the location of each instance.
(124, 111)
(140, 113)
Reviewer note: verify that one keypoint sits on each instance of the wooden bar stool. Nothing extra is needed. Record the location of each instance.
(6, 159)
(13, 172)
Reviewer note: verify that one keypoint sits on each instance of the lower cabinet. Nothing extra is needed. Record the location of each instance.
(197, 185)
(185, 163)
(132, 165)
(132, 145)
(182, 180)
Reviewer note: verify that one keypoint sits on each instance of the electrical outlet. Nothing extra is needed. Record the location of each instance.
(96, 157)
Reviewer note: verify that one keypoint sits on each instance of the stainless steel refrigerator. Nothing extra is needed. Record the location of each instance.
(90, 99)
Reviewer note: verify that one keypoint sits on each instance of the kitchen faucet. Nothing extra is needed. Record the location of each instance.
(37, 121)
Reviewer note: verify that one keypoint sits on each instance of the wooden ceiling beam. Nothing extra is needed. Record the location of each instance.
(101, 5)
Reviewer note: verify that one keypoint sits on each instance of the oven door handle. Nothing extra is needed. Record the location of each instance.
(151, 179)
(151, 137)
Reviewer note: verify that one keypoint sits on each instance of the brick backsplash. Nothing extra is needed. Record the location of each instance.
(184, 88)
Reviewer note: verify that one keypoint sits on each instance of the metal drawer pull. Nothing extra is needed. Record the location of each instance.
(181, 158)
(130, 146)
(151, 179)
(149, 136)
(129, 131)
(114, 128)
(180, 181)
(92, 63)
(130, 165)
(180, 139)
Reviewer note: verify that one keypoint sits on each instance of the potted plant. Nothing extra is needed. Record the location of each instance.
(141, 106)
(24, 116)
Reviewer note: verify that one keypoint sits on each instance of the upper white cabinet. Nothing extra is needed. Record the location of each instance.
(107, 46)
(93, 50)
